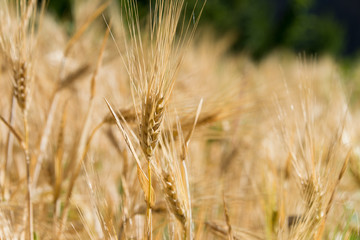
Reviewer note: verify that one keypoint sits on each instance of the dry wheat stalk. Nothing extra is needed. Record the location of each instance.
(316, 158)
(85, 138)
(18, 47)
(153, 111)
(152, 65)
(62, 82)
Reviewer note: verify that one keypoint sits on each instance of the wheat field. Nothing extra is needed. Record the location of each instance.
(117, 129)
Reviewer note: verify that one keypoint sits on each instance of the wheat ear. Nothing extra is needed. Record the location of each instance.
(176, 204)
(150, 125)
(20, 83)
(153, 112)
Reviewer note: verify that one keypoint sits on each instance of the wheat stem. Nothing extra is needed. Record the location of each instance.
(28, 177)
(190, 224)
(148, 210)
(45, 136)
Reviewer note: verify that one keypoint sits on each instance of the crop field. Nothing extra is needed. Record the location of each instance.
(116, 128)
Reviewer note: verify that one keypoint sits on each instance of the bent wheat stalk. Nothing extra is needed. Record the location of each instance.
(85, 139)
(62, 83)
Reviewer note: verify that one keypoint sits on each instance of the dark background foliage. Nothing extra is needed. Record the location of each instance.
(310, 26)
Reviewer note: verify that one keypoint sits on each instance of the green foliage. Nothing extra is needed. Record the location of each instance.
(61, 8)
(259, 25)
(314, 34)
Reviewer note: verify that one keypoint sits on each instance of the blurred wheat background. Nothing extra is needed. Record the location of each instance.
(176, 119)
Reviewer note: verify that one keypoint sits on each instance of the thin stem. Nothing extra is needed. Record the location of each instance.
(190, 227)
(148, 210)
(28, 177)
(83, 146)
(46, 134)
(54, 100)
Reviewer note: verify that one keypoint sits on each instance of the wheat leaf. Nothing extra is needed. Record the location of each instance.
(13, 131)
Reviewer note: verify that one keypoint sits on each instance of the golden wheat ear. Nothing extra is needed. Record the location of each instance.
(150, 125)
(21, 81)
(176, 203)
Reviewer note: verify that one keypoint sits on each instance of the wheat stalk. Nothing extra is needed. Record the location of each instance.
(20, 53)
(63, 82)
(85, 139)
(152, 66)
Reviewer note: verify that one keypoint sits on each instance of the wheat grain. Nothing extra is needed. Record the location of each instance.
(150, 125)
(21, 83)
(174, 200)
